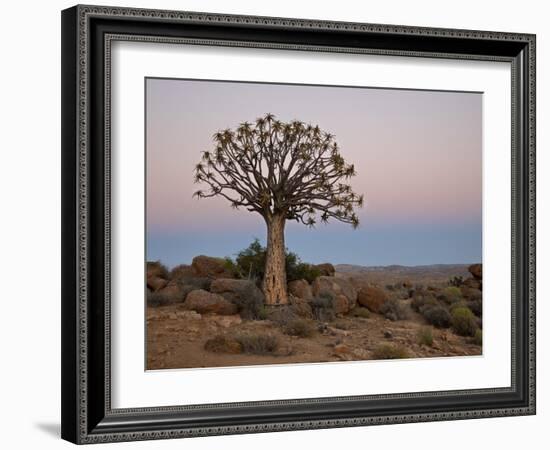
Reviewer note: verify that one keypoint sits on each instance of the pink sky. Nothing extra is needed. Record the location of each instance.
(417, 153)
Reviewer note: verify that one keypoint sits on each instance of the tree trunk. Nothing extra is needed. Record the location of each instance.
(274, 284)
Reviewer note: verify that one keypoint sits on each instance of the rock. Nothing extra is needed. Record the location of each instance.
(204, 302)
(472, 283)
(341, 304)
(300, 307)
(226, 321)
(325, 269)
(182, 272)
(335, 287)
(476, 271)
(388, 334)
(301, 289)
(188, 315)
(248, 298)
(156, 269)
(223, 344)
(207, 266)
(156, 283)
(372, 297)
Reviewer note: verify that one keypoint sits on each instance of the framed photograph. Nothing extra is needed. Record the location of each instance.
(282, 224)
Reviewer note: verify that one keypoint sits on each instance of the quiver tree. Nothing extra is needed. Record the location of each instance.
(282, 171)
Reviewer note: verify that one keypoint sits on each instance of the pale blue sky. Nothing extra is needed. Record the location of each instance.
(417, 154)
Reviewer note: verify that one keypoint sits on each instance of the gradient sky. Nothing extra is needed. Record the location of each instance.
(417, 153)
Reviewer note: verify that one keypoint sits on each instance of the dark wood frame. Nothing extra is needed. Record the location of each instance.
(87, 31)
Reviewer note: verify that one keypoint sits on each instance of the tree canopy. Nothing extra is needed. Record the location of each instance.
(294, 170)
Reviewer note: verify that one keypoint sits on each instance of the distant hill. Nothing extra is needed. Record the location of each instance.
(435, 273)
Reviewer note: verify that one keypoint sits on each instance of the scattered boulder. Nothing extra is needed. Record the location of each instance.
(335, 286)
(472, 283)
(341, 304)
(300, 307)
(203, 302)
(248, 298)
(182, 271)
(325, 269)
(300, 289)
(372, 297)
(156, 283)
(207, 266)
(476, 271)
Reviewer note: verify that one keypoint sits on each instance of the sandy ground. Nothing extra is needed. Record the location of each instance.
(176, 339)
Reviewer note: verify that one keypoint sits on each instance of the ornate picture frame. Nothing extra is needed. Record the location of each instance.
(88, 33)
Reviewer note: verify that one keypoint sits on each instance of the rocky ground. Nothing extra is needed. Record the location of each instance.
(200, 316)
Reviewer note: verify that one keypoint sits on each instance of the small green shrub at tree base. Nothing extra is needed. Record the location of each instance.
(425, 336)
(250, 264)
(388, 351)
(478, 337)
(464, 322)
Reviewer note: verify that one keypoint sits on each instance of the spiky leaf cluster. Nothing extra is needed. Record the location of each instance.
(293, 170)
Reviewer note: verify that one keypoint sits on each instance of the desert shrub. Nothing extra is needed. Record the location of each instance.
(475, 306)
(258, 344)
(249, 300)
(394, 310)
(478, 337)
(425, 336)
(437, 315)
(158, 269)
(223, 344)
(232, 267)
(299, 327)
(450, 295)
(297, 270)
(360, 311)
(463, 321)
(262, 313)
(388, 351)
(322, 307)
(456, 281)
(160, 298)
(421, 301)
(390, 287)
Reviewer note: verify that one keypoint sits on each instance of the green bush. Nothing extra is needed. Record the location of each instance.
(464, 322)
(436, 315)
(394, 310)
(476, 306)
(425, 336)
(299, 327)
(360, 311)
(258, 344)
(478, 337)
(450, 295)
(250, 264)
(388, 351)
(456, 281)
(421, 301)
